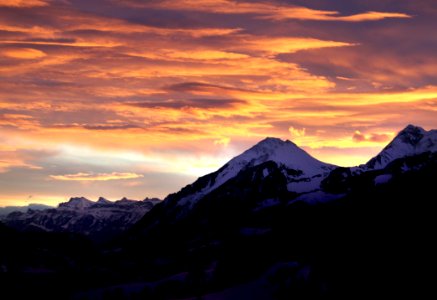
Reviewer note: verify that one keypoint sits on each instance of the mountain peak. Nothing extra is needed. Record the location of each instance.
(77, 203)
(412, 127)
(272, 141)
(281, 152)
(412, 140)
(288, 157)
(411, 134)
(103, 200)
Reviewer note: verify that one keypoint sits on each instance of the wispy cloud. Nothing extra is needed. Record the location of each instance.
(372, 137)
(96, 177)
(266, 10)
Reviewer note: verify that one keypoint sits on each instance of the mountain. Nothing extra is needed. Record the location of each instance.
(276, 220)
(271, 159)
(410, 141)
(297, 165)
(76, 203)
(8, 209)
(99, 219)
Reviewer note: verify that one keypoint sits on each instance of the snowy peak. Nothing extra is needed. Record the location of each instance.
(411, 135)
(281, 152)
(412, 140)
(77, 203)
(103, 201)
(302, 172)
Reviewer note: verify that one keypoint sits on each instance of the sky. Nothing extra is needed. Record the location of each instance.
(139, 98)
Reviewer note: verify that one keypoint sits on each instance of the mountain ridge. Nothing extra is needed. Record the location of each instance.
(99, 220)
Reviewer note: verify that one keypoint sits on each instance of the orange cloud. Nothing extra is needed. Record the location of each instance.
(302, 13)
(287, 44)
(19, 121)
(373, 137)
(370, 16)
(23, 3)
(96, 177)
(296, 133)
(11, 160)
(13, 156)
(22, 53)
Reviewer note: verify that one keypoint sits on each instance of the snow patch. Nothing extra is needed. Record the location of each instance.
(382, 179)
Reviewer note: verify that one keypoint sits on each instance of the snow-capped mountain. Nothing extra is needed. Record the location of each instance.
(81, 215)
(275, 204)
(412, 140)
(276, 172)
(303, 172)
(270, 174)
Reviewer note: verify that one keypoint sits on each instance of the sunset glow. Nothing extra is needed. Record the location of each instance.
(138, 98)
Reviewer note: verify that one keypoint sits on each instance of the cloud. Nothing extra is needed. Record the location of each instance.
(193, 103)
(22, 53)
(278, 45)
(372, 137)
(109, 126)
(265, 10)
(23, 3)
(370, 16)
(19, 121)
(96, 177)
(13, 156)
(11, 160)
(201, 87)
(295, 132)
(302, 13)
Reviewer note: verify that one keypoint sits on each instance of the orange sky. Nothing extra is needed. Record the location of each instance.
(138, 98)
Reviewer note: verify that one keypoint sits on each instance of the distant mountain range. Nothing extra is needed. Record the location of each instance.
(272, 223)
(100, 219)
